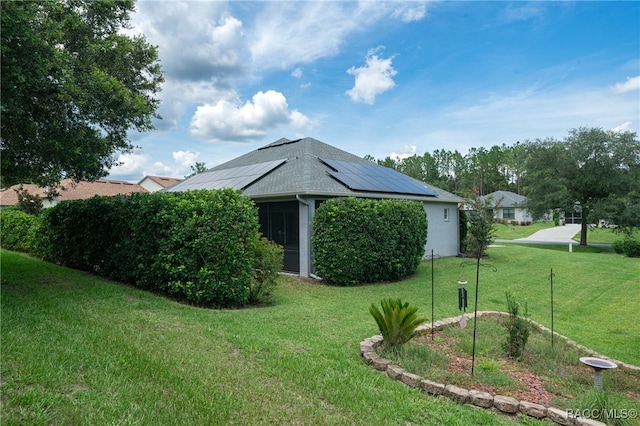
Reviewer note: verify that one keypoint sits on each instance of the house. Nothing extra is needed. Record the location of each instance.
(289, 179)
(156, 183)
(70, 190)
(509, 206)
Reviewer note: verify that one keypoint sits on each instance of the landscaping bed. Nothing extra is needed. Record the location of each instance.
(552, 377)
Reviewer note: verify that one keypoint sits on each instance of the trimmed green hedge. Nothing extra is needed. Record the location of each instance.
(19, 230)
(197, 246)
(364, 240)
(627, 246)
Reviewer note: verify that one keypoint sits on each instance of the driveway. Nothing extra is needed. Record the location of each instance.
(555, 235)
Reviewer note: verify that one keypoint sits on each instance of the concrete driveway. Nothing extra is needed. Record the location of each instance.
(557, 234)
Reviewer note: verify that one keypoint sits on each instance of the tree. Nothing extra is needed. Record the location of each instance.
(72, 86)
(199, 167)
(29, 203)
(590, 170)
(481, 228)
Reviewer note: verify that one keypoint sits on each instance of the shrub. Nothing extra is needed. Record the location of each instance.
(19, 230)
(627, 246)
(364, 240)
(517, 326)
(463, 226)
(397, 322)
(481, 226)
(268, 257)
(197, 246)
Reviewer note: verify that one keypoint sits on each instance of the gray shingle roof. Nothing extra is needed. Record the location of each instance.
(506, 198)
(302, 174)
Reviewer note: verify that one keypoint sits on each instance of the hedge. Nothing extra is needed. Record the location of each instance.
(19, 230)
(197, 246)
(627, 246)
(364, 240)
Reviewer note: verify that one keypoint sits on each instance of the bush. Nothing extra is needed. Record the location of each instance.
(627, 246)
(364, 240)
(19, 230)
(463, 225)
(197, 246)
(397, 322)
(268, 257)
(517, 326)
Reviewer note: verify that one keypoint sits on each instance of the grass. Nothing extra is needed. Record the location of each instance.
(605, 236)
(594, 235)
(77, 349)
(512, 232)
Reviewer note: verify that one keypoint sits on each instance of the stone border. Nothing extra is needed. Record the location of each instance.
(503, 404)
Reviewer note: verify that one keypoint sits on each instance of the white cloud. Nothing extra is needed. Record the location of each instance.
(134, 166)
(197, 40)
(627, 126)
(130, 164)
(297, 73)
(185, 159)
(632, 84)
(372, 79)
(229, 121)
(409, 150)
(513, 13)
(410, 12)
(531, 114)
(301, 32)
(202, 50)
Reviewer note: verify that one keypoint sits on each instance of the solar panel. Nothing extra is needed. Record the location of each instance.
(235, 177)
(374, 178)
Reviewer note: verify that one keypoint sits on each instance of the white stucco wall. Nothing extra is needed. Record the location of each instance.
(443, 234)
(521, 215)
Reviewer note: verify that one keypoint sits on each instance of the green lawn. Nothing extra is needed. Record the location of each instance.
(605, 236)
(509, 232)
(594, 236)
(81, 350)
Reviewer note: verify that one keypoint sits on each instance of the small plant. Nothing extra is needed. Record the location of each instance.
(267, 264)
(517, 326)
(397, 322)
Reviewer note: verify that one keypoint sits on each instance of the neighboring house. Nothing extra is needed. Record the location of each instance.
(156, 183)
(509, 206)
(289, 179)
(70, 190)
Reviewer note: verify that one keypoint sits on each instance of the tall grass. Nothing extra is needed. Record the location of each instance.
(81, 350)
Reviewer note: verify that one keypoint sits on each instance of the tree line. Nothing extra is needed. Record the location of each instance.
(481, 170)
(591, 171)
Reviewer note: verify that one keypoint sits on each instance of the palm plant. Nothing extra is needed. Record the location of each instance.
(398, 322)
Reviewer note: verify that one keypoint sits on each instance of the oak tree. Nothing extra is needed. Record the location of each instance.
(73, 85)
(589, 171)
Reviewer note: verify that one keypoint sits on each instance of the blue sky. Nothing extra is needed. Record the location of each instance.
(382, 78)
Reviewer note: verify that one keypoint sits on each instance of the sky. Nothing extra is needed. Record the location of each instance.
(381, 78)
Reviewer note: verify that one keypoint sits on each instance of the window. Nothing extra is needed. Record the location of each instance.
(509, 213)
(446, 215)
